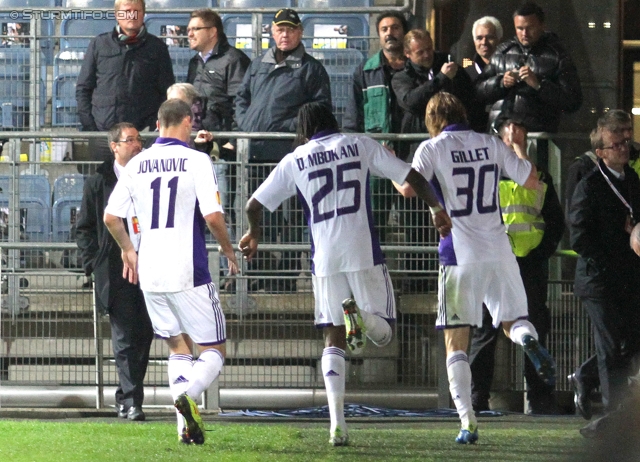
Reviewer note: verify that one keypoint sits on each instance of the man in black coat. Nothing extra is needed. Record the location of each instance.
(487, 33)
(426, 72)
(131, 331)
(124, 76)
(604, 209)
(531, 76)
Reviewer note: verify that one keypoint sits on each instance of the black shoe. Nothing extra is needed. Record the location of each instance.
(121, 410)
(135, 413)
(581, 397)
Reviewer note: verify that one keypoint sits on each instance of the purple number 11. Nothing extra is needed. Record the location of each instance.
(155, 213)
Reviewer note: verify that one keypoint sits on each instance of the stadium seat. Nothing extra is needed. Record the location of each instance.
(18, 23)
(78, 32)
(65, 212)
(68, 186)
(340, 65)
(344, 30)
(15, 76)
(66, 68)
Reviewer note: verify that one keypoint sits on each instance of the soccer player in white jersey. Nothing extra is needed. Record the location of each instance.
(330, 173)
(175, 194)
(476, 261)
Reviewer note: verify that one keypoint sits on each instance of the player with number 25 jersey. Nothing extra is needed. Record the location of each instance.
(330, 174)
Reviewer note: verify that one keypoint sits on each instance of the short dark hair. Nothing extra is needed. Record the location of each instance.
(115, 132)
(172, 112)
(210, 18)
(314, 118)
(392, 14)
(529, 8)
(444, 109)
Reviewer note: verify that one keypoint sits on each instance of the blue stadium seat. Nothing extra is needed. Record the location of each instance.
(66, 68)
(35, 186)
(14, 88)
(68, 186)
(34, 204)
(180, 61)
(78, 32)
(340, 65)
(65, 212)
(18, 22)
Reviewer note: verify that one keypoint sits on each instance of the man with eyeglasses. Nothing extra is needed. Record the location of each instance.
(604, 209)
(124, 76)
(216, 72)
(131, 332)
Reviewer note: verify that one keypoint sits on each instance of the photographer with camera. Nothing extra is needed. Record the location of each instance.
(531, 76)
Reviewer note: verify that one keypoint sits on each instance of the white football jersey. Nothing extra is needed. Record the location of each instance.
(464, 168)
(330, 174)
(172, 187)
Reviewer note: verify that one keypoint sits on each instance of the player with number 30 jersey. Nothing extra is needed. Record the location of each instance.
(465, 172)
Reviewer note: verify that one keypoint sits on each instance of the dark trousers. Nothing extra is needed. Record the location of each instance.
(535, 277)
(616, 332)
(131, 336)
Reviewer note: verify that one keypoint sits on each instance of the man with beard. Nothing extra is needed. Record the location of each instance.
(373, 107)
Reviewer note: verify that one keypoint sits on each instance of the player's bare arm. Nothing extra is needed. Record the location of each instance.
(533, 182)
(116, 227)
(218, 227)
(249, 243)
(424, 191)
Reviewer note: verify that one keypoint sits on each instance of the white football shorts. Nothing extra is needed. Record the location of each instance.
(196, 312)
(371, 289)
(463, 288)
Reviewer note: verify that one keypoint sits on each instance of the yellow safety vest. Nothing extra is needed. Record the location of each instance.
(522, 215)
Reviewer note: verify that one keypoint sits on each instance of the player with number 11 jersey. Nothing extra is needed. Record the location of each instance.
(465, 172)
(164, 183)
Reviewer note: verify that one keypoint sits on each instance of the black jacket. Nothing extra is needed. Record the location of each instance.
(99, 251)
(540, 109)
(217, 81)
(607, 266)
(414, 86)
(271, 94)
(578, 169)
(477, 111)
(123, 83)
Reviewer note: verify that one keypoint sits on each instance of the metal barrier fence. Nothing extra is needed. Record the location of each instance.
(49, 337)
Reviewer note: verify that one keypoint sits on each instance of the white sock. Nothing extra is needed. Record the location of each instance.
(205, 370)
(459, 374)
(179, 370)
(519, 329)
(378, 329)
(334, 373)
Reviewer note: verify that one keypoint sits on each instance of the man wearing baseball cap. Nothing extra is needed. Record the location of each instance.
(274, 88)
(276, 85)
